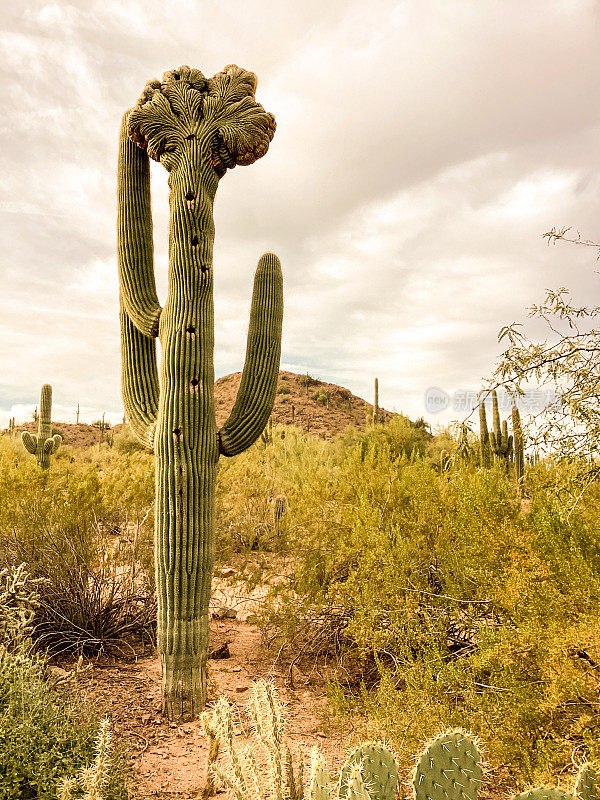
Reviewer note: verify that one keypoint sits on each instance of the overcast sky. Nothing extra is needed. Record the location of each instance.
(422, 148)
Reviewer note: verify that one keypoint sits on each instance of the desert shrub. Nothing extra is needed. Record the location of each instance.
(85, 528)
(322, 397)
(446, 604)
(44, 733)
(308, 380)
(283, 390)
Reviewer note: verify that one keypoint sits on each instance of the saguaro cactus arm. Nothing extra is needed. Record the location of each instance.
(52, 445)
(254, 401)
(139, 380)
(29, 441)
(134, 226)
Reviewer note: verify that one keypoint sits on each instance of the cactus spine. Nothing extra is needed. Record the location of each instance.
(197, 128)
(44, 444)
(502, 443)
(518, 448)
(484, 439)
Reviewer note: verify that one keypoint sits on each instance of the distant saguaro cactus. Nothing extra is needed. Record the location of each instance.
(198, 128)
(44, 444)
(376, 403)
(484, 439)
(502, 443)
(518, 448)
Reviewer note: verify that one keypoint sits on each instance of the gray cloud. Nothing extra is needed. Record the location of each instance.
(422, 148)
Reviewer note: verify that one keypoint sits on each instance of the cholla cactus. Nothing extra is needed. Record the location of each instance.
(19, 599)
(265, 769)
(197, 128)
(92, 781)
(44, 444)
(501, 442)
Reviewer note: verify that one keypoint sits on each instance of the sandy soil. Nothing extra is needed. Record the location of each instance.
(169, 760)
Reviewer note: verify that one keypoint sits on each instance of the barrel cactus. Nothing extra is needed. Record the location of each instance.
(44, 444)
(197, 128)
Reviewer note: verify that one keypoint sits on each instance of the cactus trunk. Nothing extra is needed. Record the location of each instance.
(484, 439)
(197, 128)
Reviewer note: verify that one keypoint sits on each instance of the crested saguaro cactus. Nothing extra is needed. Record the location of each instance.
(44, 444)
(197, 128)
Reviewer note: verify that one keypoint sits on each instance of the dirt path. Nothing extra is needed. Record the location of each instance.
(168, 760)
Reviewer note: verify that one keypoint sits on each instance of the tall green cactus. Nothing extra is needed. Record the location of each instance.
(518, 448)
(197, 128)
(484, 439)
(44, 444)
(501, 442)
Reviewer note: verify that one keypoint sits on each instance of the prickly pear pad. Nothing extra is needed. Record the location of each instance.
(586, 787)
(449, 769)
(544, 793)
(379, 772)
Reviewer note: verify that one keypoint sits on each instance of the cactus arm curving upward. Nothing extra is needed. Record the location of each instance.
(138, 302)
(254, 401)
(30, 442)
(134, 231)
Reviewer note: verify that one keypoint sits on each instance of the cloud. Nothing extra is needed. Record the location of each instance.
(422, 149)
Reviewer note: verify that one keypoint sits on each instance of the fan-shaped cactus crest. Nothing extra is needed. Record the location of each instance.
(197, 128)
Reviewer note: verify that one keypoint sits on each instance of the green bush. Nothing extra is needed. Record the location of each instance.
(45, 734)
(446, 603)
(85, 527)
(283, 390)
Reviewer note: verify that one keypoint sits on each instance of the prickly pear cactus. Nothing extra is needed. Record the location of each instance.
(44, 444)
(449, 769)
(320, 780)
(378, 773)
(544, 793)
(586, 787)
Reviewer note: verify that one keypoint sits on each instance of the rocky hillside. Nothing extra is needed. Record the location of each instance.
(321, 408)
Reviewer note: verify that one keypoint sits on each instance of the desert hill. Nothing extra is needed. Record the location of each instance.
(321, 408)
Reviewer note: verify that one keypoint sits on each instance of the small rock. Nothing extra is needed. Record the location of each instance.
(242, 688)
(146, 718)
(221, 652)
(236, 669)
(226, 572)
(224, 613)
(59, 672)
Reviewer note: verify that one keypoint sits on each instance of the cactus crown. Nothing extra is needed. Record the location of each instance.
(220, 111)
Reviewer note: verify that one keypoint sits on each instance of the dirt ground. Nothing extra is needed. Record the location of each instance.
(169, 760)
